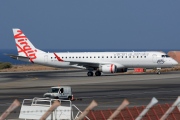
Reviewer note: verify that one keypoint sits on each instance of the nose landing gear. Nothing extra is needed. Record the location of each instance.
(158, 71)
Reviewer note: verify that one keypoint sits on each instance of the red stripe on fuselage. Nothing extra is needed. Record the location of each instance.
(59, 59)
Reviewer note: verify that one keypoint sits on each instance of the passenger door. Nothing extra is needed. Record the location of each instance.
(154, 58)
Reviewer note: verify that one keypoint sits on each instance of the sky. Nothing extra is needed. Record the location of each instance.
(92, 24)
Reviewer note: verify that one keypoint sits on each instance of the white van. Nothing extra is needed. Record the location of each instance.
(59, 92)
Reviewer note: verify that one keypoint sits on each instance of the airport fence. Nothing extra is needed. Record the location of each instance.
(152, 111)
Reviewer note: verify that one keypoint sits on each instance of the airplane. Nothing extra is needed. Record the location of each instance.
(100, 62)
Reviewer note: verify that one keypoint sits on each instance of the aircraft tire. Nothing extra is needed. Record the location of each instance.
(90, 73)
(98, 73)
(158, 72)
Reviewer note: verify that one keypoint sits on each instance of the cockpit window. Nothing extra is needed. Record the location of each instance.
(163, 56)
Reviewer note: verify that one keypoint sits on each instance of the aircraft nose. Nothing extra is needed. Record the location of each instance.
(174, 62)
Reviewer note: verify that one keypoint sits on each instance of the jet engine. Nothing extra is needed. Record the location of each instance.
(111, 68)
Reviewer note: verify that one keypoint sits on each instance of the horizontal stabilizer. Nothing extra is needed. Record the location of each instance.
(16, 56)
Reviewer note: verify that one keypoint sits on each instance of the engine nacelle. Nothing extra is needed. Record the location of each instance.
(119, 70)
(111, 68)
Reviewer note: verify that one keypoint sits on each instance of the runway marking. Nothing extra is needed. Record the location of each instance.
(125, 95)
(35, 78)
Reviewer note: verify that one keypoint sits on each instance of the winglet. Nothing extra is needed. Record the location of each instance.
(59, 59)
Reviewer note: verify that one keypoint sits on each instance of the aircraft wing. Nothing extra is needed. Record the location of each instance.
(94, 65)
(86, 64)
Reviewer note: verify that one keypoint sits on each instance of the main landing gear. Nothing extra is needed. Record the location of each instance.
(90, 73)
(97, 73)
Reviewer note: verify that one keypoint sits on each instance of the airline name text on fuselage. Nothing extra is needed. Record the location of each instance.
(131, 54)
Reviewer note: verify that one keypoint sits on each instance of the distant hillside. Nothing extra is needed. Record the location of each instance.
(4, 65)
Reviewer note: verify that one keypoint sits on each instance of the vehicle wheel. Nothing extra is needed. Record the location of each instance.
(98, 73)
(90, 74)
(70, 98)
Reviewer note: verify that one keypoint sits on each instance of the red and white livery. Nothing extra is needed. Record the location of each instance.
(106, 62)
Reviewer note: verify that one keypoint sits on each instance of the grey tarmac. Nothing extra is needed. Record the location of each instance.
(109, 90)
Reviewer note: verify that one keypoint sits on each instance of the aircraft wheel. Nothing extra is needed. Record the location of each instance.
(158, 72)
(90, 73)
(98, 73)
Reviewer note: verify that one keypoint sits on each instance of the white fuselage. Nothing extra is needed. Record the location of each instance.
(120, 59)
(106, 62)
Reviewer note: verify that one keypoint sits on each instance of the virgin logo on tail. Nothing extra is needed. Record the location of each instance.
(22, 44)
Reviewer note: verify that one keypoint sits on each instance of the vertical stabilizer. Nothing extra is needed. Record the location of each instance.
(24, 46)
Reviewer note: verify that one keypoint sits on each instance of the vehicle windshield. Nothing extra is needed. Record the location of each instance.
(54, 90)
